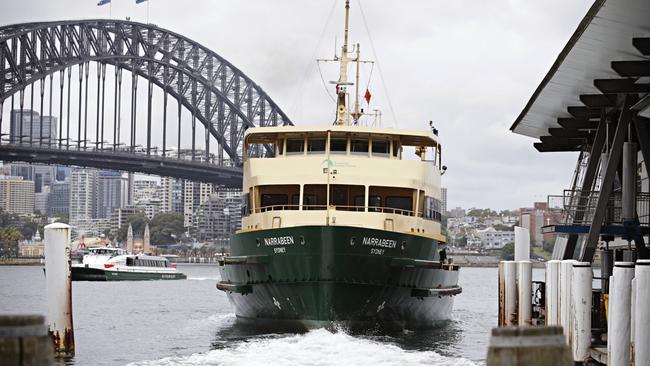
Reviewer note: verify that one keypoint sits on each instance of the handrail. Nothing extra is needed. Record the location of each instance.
(375, 209)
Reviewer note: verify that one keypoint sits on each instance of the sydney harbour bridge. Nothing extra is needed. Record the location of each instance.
(65, 68)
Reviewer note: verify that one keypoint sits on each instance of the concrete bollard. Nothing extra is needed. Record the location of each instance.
(530, 346)
(553, 292)
(580, 334)
(59, 288)
(618, 322)
(641, 314)
(524, 292)
(24, 341)
(522, 244)
(566, 270)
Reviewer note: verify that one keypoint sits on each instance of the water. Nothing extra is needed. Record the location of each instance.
(191, 323)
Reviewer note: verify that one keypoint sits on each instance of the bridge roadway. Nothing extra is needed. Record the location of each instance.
(126, 161)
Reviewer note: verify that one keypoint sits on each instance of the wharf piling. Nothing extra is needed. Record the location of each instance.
(641, 313)
(620, 305)
(59, 288)
(24, 341)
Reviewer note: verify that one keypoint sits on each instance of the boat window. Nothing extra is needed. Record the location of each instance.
(274, 200)
(295, 146)
(400, 203)
(245, 208)
(342, 196)
(396, 148)
(359, 201)
(380, 148)
(359, 146)
(314, 197)
(316, 145)
(394, 200)
(338, 145)
(432, 209)
(280, 147)
(276, 197)
(129, 261)
(374, 203)
(295, 199)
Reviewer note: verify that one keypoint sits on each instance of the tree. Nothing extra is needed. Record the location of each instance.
(137, 220)
(508, 252)
(29, 229)
(166, 228)
(500, 227)
(9, 238)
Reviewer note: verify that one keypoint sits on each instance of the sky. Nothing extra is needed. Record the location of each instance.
(469, 66)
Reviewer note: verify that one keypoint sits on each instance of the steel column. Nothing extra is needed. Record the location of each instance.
(588, 181)
(616, 150)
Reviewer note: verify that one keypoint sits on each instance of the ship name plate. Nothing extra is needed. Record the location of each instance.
(377, 242)
(280, 240)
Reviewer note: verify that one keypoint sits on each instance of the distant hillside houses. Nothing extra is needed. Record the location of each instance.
(495, 239)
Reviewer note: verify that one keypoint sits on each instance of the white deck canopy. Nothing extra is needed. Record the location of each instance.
(592, 69)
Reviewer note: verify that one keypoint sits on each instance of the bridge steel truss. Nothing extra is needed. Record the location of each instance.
(216, 93)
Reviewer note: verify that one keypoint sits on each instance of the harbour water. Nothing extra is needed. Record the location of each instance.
(190, 322)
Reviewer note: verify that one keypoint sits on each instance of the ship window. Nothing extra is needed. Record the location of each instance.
(244, 205)
(316, 145)
(432, 209)
(359, 146)
(280, 147)
(396, 148)
(400, 203)
(274, 200)
(359, 201)
(380, 148)
(342, 196)
(374, 203)
(295, 199)
(338, 145)
(295, 146)
(129, 261)
(314, 197)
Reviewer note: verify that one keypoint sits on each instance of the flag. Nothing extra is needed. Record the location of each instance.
(367, 96)
(139, 1)
(103, 2)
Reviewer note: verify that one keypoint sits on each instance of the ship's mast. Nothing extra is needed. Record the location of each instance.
(342, 115)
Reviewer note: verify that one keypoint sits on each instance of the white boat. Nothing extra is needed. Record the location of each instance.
(115, 264)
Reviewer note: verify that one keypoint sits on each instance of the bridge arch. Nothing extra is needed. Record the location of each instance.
(218, 94)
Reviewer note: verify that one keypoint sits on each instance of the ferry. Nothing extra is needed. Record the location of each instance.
(341, 223)
(115, 264)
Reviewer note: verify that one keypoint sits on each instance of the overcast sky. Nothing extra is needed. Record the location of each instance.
(468, 65)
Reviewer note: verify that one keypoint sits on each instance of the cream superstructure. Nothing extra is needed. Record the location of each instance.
(344, 175)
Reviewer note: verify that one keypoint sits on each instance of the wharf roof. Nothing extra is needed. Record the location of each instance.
(407, 137)
(605, 58)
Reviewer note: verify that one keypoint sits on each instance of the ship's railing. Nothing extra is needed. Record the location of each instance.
(389, 210)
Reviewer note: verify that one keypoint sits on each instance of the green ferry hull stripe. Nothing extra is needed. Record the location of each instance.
(338, 273)
(96, 274)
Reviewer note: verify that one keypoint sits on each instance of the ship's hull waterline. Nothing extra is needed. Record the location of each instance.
(314, 275)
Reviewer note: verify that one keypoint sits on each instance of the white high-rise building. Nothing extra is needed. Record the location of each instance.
(82, 194)
(171, 195)
(194, 194)
(16, 195)
(111, 193)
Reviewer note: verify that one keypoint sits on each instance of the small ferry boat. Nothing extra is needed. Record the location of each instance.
(115, 264)
(341, 223)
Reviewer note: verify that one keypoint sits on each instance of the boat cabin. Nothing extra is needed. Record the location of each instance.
(380, 178)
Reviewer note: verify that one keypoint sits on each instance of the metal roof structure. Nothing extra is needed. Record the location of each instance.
(606, 57)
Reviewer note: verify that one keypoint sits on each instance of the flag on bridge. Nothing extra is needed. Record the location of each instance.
(140, 1)
(103, 2)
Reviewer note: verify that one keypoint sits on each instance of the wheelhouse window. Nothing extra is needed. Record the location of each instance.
(295, 146)
(380, 148)
(359, 146)
(316, 145)
(338, 145)
(277, 197)
(314, 197)
(343, 197)
(395, 200)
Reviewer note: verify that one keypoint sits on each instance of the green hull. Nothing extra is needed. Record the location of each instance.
(95, 274)
(315, 274)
